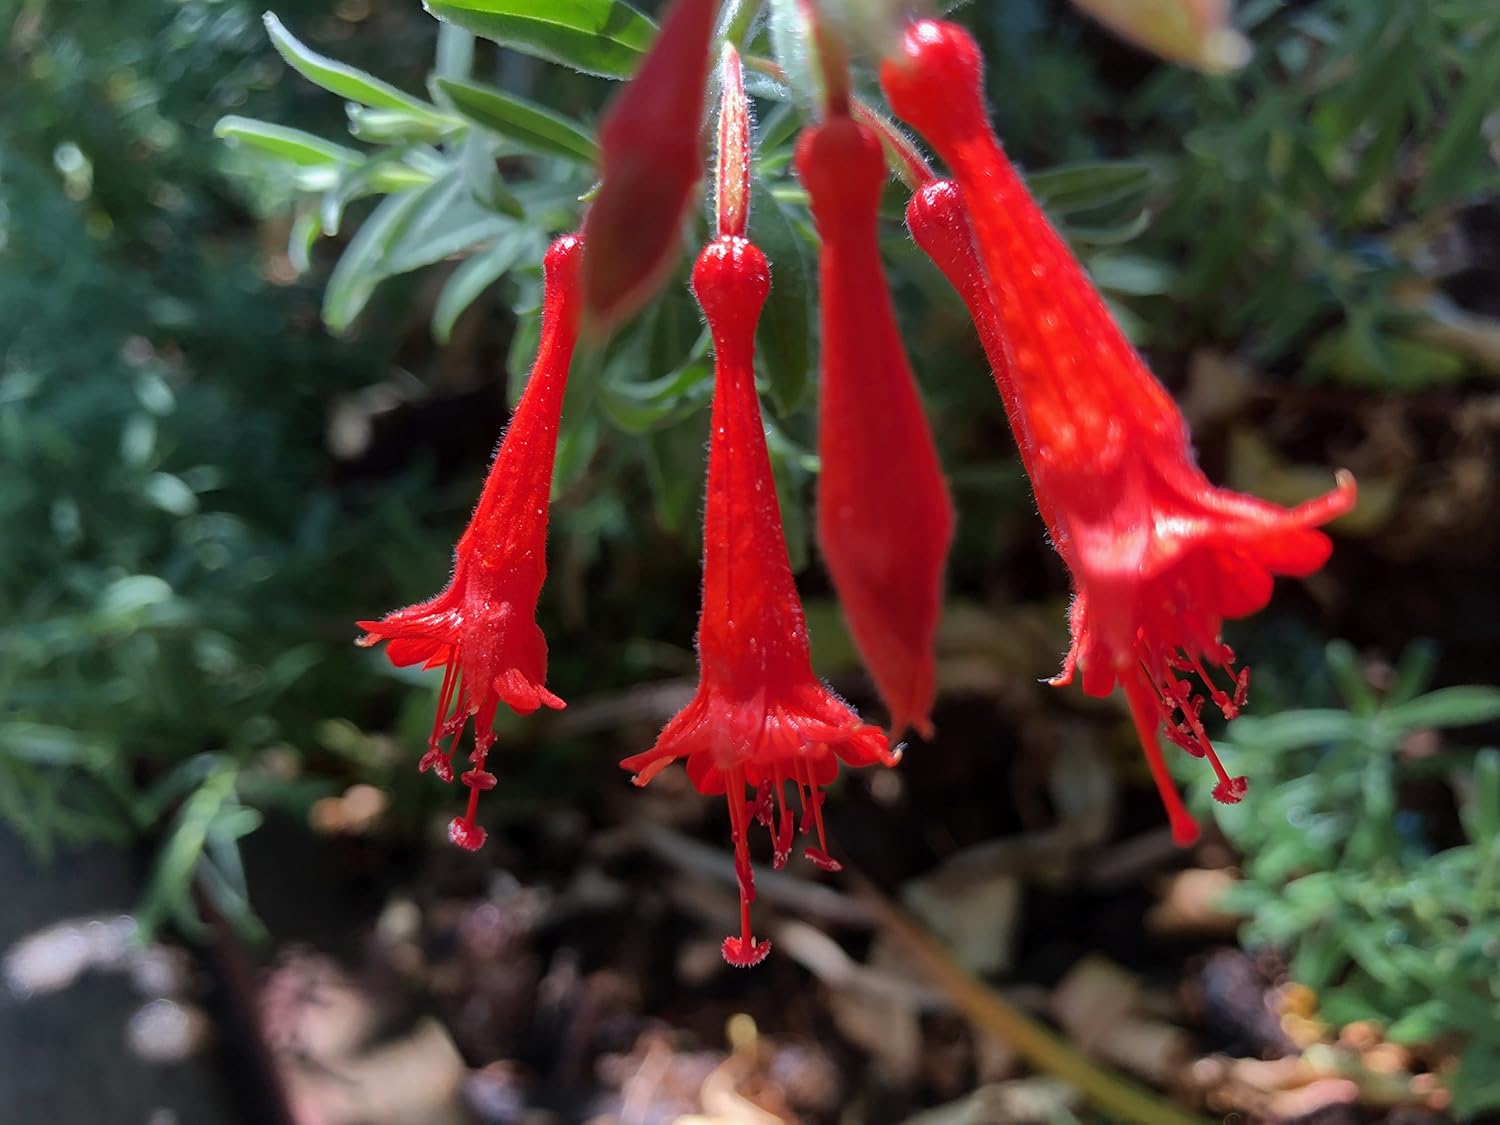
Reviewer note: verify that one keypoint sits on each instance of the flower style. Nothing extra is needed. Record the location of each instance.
(884, 517)
(760, 718)
(481, 629)
(1160, 557)
(652, 142)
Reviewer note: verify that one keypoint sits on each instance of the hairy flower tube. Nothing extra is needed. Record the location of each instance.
(652, 143)
(481, 629)
(1160, 558)
(884, 517)
(760, 717)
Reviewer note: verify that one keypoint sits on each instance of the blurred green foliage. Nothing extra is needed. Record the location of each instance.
(174, 574)
(1347, 868)
(182, 559)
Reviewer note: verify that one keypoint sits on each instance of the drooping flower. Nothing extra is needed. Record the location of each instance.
(884, 517)
(481, 629)
(760, 717)
(1160, 558)
(652, 144)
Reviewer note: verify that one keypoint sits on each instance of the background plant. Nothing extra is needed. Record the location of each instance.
(203, 489)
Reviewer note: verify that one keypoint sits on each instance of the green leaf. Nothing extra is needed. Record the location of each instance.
(359, 269)
(381, 126)
(1085, 187)
(1458, 163)
(1349, 677)
(1292, 730)
(640, 407)
(1131, 274)
(1413, 672)
(445, 220)
(482, 177)
(1476, 1086)
(343, 80)
(1481, 813)
(473, 277)
(302, 149)
(603, 37)
(51, 745)
(793, 48)
(533, 126)
(784, 336)
(387, 173)
(1447, 707)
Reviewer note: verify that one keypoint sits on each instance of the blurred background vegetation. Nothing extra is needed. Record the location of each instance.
(249, 383)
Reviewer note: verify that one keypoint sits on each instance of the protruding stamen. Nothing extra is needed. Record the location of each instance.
(1145, 711)
(439, 761)
(742, 951)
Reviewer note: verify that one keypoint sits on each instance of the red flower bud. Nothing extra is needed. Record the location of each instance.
(1160, 558)
(884, 517)
(760, 718)
(482, 628)
(652, 143)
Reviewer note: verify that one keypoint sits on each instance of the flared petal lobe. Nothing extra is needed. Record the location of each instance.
(885, 521)
(652, 144)
(1160, 558)
(760, 718)
(481, 629)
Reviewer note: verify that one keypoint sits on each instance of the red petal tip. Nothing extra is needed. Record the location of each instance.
(743, 953)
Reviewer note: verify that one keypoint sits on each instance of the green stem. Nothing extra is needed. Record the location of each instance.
(991, 1012)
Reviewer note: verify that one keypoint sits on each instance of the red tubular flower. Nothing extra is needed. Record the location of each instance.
(652, 143)
(482, 628)
(1160, 558)
(760, 717)
(884, 517)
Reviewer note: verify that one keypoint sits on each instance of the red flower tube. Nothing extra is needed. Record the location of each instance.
(481, 629)
(884, 517)
(760, 718)
(652, 143)
(1160, 558)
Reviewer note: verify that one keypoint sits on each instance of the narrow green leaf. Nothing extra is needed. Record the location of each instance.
(482, 178)
(1447, 707)
(382, 126)
(473, 277)
(447, 219)
(1481, 814)
(533, 126)
(1131, 274)
(359, 270)
(1292, 730)
(51, 745)
(387, 173)
(1459, 162)
(302, 149)
(1349, 677)
(784, 336)
(603, 37)
(1084, 187)
(793, 49)
(342, 79)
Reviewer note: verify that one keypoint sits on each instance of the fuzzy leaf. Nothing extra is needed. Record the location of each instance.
(343, 80)
(533, 126)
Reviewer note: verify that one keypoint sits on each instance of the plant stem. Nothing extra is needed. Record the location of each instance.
(1042, 1048)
